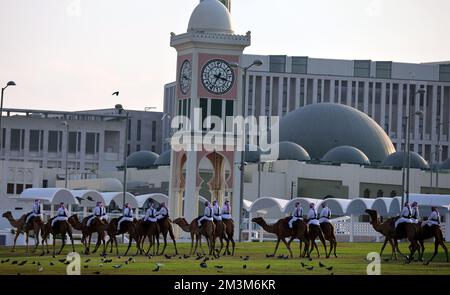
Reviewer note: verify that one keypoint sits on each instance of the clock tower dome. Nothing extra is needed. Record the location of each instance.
(207, 83)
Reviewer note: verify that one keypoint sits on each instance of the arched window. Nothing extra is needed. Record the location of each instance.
(393, 194)
(380, 194)
(366, 193)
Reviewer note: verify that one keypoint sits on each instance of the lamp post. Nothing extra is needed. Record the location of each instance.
(64, 123)
(257, 63)
(120, 109)
(408, 143)
(10, 83)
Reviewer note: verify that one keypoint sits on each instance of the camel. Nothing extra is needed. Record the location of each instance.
(229, 231)
(387, 229)
(61, 228)
(282, 231)
(96, 225)
(207, 230)
(428, 232)
(150, 230)
(315, 232)
(20, 226)
(220, 233)
(409, 231)
(165, 226)
(328, 233)
(126, 227)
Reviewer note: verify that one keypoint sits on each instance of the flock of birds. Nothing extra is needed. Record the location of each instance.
(119, 263)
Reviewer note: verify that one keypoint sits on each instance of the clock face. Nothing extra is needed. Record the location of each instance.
(217, 76)
(185, 77)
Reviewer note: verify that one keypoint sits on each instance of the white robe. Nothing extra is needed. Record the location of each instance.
(312, 217)
(62, 215)
(325, 215)
(298, 215)
(216, 213)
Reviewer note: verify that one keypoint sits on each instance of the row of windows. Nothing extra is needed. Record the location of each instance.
(17, 188)
(55, 141)
(361, 68)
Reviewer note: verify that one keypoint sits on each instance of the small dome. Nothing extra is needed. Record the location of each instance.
(163, 159)
(292, 151)
(396, 159)
(252, 154)
(444, 165)
(320, 127)
(142, 159)
(346, 155)
(211, 16)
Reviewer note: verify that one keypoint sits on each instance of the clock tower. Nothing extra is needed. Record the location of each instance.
(209, 85)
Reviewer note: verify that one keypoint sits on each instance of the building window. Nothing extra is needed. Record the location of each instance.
(153, 149)
(204, 107)
(34, 140)
(393, 194)
(361, 68)
(444, 73)
(27, 186)
(384, 69)
(366, 193)
(128, 149)
(380, 194)
(138, 134)
(129, 129)
(19, 188)
(153, 131)
(90, 143)
(299, 65)
(3, 136)
(277, 63)
(53, 141)
(10, 188)
(44, 183)
(138, 147)
(72, 142)
(15, 143)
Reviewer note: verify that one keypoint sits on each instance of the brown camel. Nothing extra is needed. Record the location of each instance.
(207, 230)
(96, 226)
(229, 230)
(151, 230)
(328, 233)
(387, 229)
(35, 225)
(220, 233)
(428, 232)
(408, 231)
(125, 227)
(314, 232)
(61, 228)
(282, 231)
(165, 226)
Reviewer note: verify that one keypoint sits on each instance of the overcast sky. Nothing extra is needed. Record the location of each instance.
(72, 54)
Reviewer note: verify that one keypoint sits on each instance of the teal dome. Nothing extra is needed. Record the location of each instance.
(142, 159)
(346, 155)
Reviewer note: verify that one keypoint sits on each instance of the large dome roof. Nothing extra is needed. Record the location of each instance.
(346, 155)
(396, 160)
(163, 159)
(142, 159)
(320, 127)
(211, 16)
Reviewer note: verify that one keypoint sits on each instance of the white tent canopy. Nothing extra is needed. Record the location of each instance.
(359, 206)
(88, 198)
(266, 203)
(117, 197)
(49, 195)
(142, 199)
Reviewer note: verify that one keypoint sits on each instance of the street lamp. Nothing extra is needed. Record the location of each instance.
(64, 123)
(120, 109)
(421, 91)
(10, 83)
(257, 63)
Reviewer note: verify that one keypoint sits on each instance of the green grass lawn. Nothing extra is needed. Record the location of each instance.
(351, 261)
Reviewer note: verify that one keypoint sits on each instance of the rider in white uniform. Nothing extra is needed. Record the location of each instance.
(127, 216)
(405, 215)
(434, 219)
(226, 210)
(325, 214)
(61, 215)
(162, 212)
(216, 212)
(36, 211)
(297, 215)
(99, 212)
(415, 216)
(150, 215)
(313, 218)
(207, 214)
